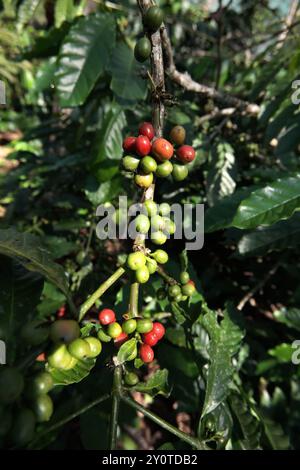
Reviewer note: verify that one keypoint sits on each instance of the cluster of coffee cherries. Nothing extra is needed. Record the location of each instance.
(178, 292)
(143, 265)
(146, 332)
(152, 21)
(24, 402)
(147, 155)
(69, 347)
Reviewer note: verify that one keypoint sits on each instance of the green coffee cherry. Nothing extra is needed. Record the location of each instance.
(157, 223)
(103, 336)
(142, 223)
(188, 289)
(130, 163)
(164, 169)
(129, 326)
(142, 49)
(159, 238)
(136, 260)
(184, 277)
(173, 291)
(131, 378)
(142, 275)
(151, 207)
(160, 256)
(144, 326)
(151, 265)
(153, 18)
(148, 165)
(164, 209)
(95, 346)
(170, 226)
(180, 172)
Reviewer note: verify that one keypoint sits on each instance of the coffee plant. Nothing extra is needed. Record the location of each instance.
(140, 342)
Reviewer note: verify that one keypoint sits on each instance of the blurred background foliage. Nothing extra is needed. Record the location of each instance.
(73, 90)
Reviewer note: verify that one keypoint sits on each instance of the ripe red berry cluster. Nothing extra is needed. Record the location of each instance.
(146, 332)
(147, 155)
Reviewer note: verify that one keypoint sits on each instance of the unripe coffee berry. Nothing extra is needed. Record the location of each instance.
(147, 129)
(180, 172)
(184, 277)
(148, 165)
(131, 378)
(151, 265)
(160, 256)
(114, 330)
(144, 325)
(151, 207)
(129, 326)
(130, 163)
(153, 18)
(143, 181)
(136, 260)
(142, 223)
(107, 316)
(142, 49)
(173, 291)
(142, 275)
(146, 353)
(129, 144)
(188, 289)
(159, 237)
(164, 169)
(142, 145)
(103, 336)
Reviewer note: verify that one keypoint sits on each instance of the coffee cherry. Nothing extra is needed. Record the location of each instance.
(151, 265)
(142, 275)
(146, 353)
(170, 226)
(107, 316)
(103, 336)
(144, 325)
(164, 169)
(164, 209)
(131, 378)
(150, 338)
(148, 165)
(79, 349)
(159, 238)
(11, 384)
(151, 207)
(34, 333)
(129, 326)
(60, 358)
(157, 223)
(136, 260)
(153, 18)
(143, 181)
(114, 330)
(147, 129)
(185, 154)
(173, 291)
(43, 408)
(142, 49)
(162, 149)
(160, 256)
(142, 145)
(188, 289)
(142, 223)
(95, 346)
(161, 293)
(64, 331)
(179, 172)
(159, 330)
(129, 144)
(184, 277)
(130, 163)
(121, 339)
(178, 298)
(23, 428)
(41, 384)
(177, 135)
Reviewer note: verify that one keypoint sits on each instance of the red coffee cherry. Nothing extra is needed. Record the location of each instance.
(186, 154)
(146, 353)
(150, 338)
(159, 330)
(107, 316)
(120, 339)
(162, 149)
(147, 129)
(142, 145)
(129, 144)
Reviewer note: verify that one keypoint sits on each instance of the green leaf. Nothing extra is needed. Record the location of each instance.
(127, 351)
(59, 246)
(28, 250)
(283, 352)
(157, 384)
(103, 192)
(289, 316)
(225, 339)
(107, 147)
(52, 300)
(220, 182)
(20, 292)
(63, 11)
(282, 235)
(265, 206)
(274, 432)
(126, 81)
(84, 57)
(222, 213)
(249, 423)
(75, 375)
(178, 312)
